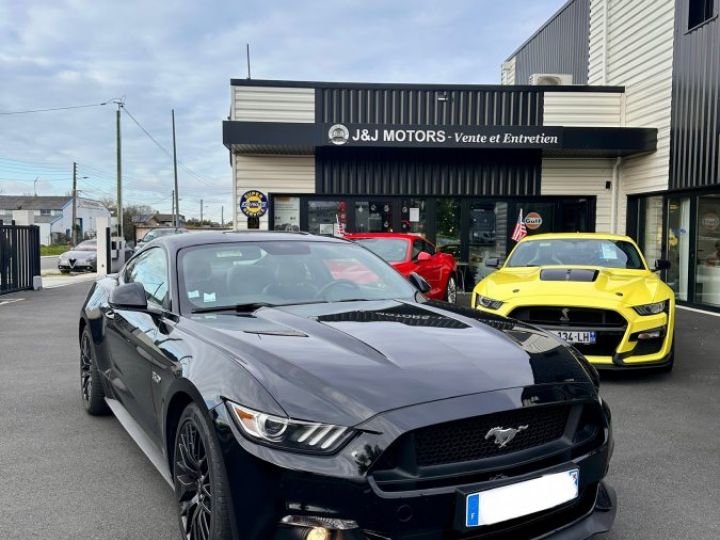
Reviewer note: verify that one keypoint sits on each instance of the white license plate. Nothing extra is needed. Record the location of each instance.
(521, 499)
(586, 338)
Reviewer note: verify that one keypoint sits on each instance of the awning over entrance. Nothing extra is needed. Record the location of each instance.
(552, 141)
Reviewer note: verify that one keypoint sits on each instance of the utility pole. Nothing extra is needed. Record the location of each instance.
(119, 170)
(201, 212)
(73, 234)
(172, 197)
(222, 215)
(176, 197)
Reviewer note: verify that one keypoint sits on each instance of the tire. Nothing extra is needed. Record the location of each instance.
(451, 290)
(64, 271)
(202, 490)
(91, 390)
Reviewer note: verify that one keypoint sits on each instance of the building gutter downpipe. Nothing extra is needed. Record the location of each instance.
(615, 196)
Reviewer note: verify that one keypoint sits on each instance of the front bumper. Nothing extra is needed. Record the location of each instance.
(626, 350)
(77, 267)
(268, 485)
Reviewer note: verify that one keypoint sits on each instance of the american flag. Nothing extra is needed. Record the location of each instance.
(520, 231)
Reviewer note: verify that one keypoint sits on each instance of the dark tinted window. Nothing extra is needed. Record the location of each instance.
(700, 11)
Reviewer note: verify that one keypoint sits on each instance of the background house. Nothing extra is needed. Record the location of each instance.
(53, 214)
(146, 222)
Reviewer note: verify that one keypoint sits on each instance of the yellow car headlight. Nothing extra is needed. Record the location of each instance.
(651, 309)
(488, 303)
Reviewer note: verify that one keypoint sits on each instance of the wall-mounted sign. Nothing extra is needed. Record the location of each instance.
(287, 213)
(441, 136)
(253, 204)
(533, 221)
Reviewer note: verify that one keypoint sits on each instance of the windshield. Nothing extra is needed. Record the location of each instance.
(577, 252)
(87, 245)
(284, 272)
(152, 235)
(391, 249)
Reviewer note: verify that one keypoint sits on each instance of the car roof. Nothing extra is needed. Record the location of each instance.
(177, 242)
(576, 236)
(403, 236)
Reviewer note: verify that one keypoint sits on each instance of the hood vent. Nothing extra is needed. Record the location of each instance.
(569, 274)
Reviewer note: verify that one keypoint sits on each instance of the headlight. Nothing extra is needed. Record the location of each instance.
(488, 303)
(289, 434)
(651, 309)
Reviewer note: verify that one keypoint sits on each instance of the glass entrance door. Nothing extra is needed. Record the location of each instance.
(373, 216)
(678, 245)
(707, 260)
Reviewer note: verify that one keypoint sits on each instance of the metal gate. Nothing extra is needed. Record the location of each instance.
(19, 256)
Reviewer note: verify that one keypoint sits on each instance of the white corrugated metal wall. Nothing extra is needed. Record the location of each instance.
(631, 44)
(280, 173)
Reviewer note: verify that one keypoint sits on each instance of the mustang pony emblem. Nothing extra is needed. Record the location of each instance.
(504, 435)
(565, 315)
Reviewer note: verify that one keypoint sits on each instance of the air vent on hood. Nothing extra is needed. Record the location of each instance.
(569, 274)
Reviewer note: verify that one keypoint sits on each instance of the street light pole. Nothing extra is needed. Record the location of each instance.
(176, 196)
(201, 212)
(119, 169)
(73, 235)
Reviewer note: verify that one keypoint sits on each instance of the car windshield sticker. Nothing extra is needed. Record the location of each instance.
(209, 297)
(609, 252)
(193, 294)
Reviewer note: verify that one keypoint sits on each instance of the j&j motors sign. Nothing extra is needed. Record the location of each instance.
(465, 137)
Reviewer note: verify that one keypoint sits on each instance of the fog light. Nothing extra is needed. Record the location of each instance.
(318, 533)
(652, 334)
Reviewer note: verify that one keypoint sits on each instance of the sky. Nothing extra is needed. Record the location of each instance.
(181, 55)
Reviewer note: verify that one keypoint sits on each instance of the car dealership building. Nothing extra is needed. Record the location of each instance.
(607, 120)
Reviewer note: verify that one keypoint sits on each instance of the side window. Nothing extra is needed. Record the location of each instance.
(429, 248)
(150, 269)
(418, 246)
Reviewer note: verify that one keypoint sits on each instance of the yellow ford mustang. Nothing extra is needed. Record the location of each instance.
(595, 291)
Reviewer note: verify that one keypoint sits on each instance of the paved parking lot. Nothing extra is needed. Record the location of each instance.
(68, 475)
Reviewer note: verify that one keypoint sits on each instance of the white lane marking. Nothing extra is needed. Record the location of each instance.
(3, 302)
(700, 311)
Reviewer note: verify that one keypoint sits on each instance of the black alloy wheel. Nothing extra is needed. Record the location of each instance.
(199, 480)
(91, 391)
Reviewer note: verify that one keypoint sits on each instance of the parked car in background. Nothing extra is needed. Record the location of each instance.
(157, 233)
(292, 386)
(595, 291)
(81, 258)
(412, 253)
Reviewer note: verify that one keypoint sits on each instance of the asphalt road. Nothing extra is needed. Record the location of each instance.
(68, 475)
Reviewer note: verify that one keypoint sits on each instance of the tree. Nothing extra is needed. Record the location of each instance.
(129, 212)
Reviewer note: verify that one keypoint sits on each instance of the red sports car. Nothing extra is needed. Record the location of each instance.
(412, 253)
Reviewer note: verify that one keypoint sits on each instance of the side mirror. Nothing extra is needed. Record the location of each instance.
(493, 262)
(417, 281)
(129, 296)
(423, 256)
(661, 264)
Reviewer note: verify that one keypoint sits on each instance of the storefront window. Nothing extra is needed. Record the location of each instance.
(652, 229)
(678, 246)
(447, 238)
(488, 237)
(413, 216)
(327, 217)
(373, 216)
(708, 251)
(287, 213)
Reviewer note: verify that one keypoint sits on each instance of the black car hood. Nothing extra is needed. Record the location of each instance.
(346, 362)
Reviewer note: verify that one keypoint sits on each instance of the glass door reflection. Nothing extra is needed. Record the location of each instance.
(678, 247)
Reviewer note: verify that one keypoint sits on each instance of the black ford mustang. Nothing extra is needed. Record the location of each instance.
(297, 387)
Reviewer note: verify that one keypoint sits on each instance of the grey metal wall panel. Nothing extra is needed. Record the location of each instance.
(561, 46)
(355, 171)
(695, 133)
(425, 106)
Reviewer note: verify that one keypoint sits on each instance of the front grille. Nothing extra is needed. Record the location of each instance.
(464, 440)
(569, 316)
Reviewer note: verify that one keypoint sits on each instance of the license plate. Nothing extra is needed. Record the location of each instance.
(521, 499)
(587, 338)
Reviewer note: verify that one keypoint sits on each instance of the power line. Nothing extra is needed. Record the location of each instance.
(7, 113)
